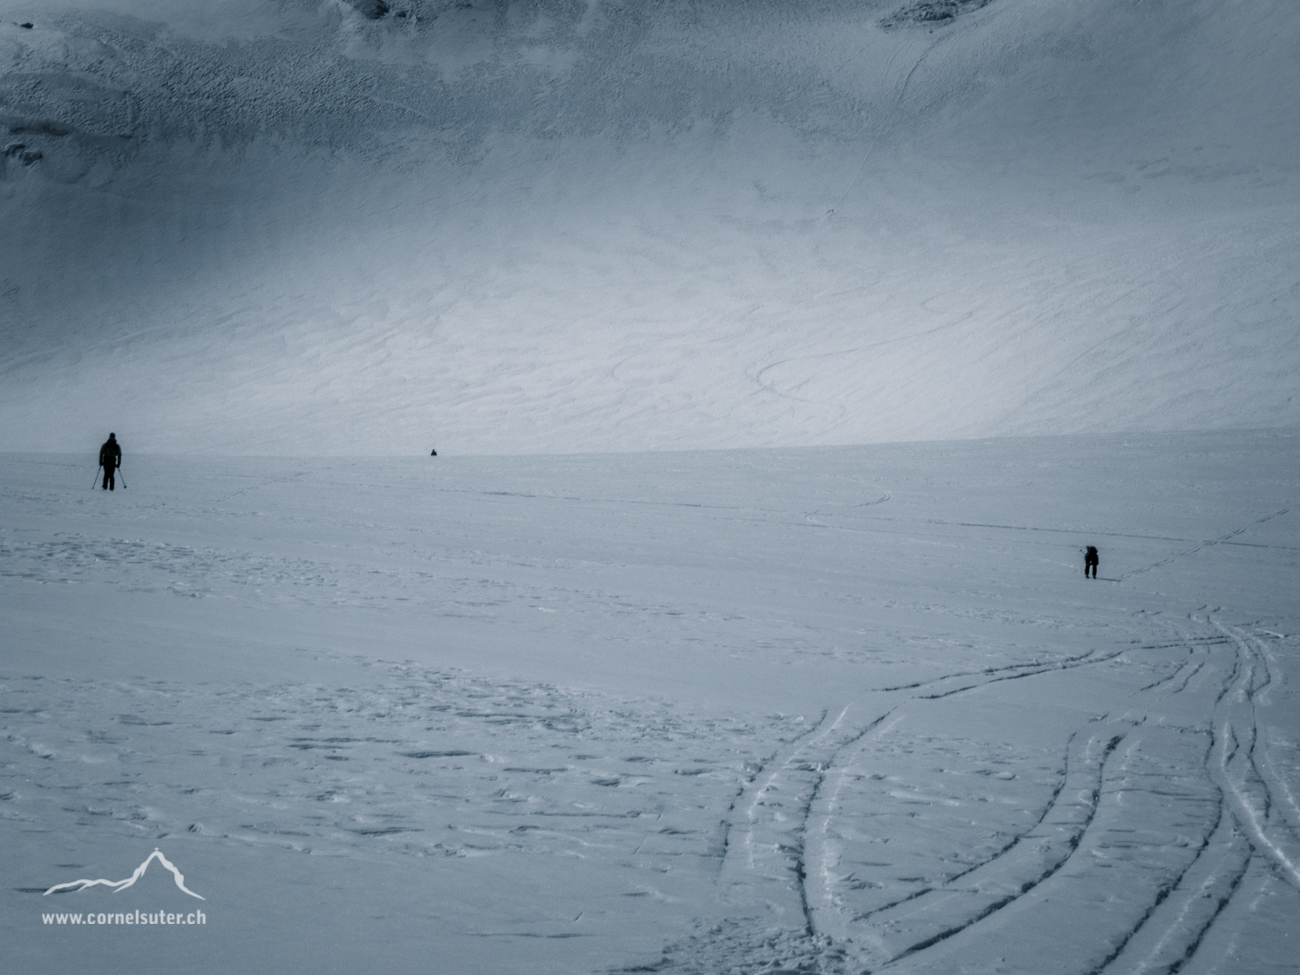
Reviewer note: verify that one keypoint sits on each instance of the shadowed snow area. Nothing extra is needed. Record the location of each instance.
(833, 711)
(288, 226)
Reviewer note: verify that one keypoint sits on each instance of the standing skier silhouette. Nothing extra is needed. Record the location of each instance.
(1090, 561)
(110, 458)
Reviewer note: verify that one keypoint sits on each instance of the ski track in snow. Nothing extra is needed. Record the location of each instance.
(1241, 809)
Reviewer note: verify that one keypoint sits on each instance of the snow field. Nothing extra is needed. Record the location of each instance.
(819, 710)
(829, 709)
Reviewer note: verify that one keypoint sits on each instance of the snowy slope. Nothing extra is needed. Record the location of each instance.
(286, 227)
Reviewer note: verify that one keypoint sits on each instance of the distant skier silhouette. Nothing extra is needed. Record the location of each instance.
(433, 453)
(110, 458)
(1090, 561)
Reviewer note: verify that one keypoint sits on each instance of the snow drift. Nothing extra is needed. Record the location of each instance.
(303, 227)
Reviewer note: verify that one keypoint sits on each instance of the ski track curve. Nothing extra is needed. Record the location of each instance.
(765, 802)
(788, 814)
(1242, 768)
(812, 519)
(1016, 871)
(1172, 930)
(770, 821)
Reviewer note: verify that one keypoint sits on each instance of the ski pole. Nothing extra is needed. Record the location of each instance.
(119, 474)
(96, 480)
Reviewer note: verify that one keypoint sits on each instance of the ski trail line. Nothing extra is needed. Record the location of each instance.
(1236, 747)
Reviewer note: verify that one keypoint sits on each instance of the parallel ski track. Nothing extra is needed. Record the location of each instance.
(1172, 928)
(1034, 667)
(1054, 852)
(1242, 769)
(807, 757)
(1171, 931)
(1257, 815)
(778, 759)
(815, 753)
(1221, 540)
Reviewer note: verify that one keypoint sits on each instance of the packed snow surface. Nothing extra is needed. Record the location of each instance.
(823, 710)
(293, 227)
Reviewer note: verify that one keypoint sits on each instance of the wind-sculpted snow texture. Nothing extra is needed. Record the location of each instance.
(838, 710)
(325, 227)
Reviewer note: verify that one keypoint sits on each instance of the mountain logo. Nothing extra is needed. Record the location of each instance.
(121, 885)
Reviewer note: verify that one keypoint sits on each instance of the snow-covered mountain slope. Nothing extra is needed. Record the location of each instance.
(290, 226)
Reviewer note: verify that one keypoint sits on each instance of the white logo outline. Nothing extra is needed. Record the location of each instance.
(121, 885)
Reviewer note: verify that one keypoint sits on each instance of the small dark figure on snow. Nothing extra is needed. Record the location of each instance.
(433, 453)
(1090, 561)
(110, 458)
